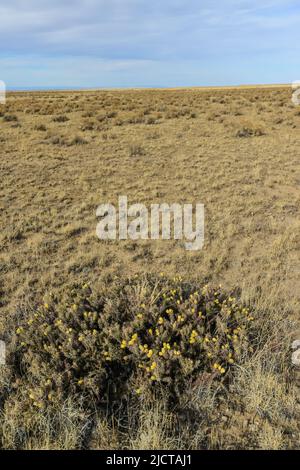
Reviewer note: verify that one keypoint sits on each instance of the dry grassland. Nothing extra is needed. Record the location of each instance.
(234, 150)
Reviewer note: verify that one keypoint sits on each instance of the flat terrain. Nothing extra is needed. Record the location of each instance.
(63, 154)
(237, 151)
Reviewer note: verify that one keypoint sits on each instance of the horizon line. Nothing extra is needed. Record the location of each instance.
(133, 88)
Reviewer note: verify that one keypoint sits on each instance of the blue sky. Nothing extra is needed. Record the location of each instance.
(144, 43)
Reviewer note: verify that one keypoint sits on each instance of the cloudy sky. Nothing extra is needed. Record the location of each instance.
(144, 43)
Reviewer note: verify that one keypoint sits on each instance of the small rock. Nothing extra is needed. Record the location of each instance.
(296, 345)
(296, 358)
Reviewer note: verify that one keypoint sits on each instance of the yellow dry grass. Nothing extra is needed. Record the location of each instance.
(234, 150)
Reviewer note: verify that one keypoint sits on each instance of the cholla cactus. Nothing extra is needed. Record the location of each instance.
(142, 334)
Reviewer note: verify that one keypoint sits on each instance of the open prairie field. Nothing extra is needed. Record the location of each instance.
(237, 151)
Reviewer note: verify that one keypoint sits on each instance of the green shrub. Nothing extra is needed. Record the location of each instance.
(138, 336)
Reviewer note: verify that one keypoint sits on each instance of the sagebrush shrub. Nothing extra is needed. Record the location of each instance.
(136, 150)
(137, 336)
(61, 118)
(10, 118)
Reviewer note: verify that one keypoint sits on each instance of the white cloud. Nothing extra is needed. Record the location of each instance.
(89, 26)
(134, 34)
